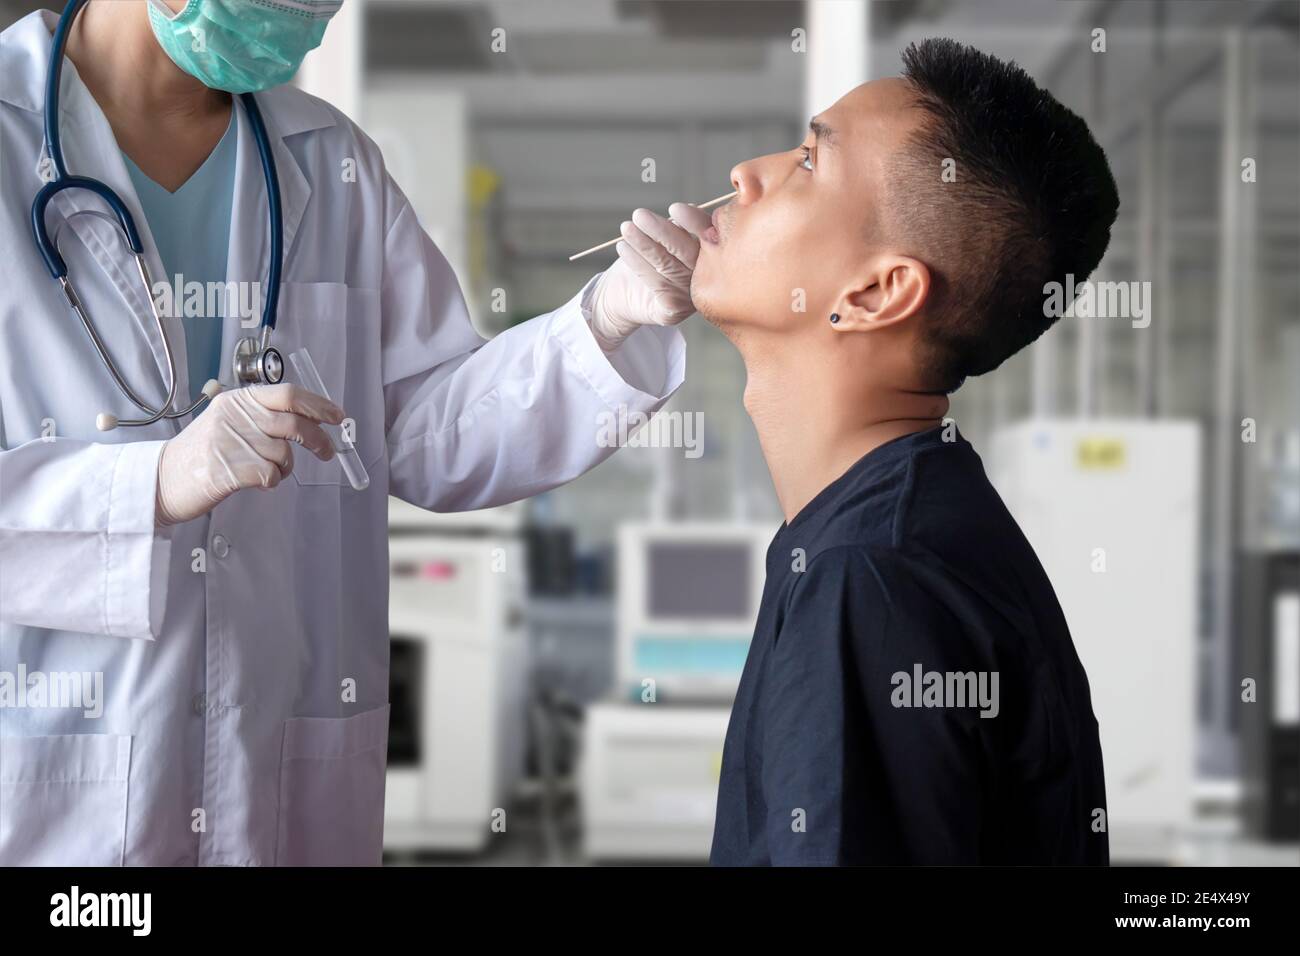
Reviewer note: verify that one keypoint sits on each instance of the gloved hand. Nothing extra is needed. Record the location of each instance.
(651, 282)
(240, 441)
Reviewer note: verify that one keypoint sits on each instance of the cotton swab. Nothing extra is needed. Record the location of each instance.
(606, 245)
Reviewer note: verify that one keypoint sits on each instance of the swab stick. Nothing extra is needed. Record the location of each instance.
(606, 245)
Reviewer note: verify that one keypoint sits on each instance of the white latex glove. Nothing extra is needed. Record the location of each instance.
(651, 282)
(240, 441)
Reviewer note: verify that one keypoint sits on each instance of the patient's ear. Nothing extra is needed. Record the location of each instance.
(893, 290)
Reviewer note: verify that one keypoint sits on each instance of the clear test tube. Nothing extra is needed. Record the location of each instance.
(310, 379)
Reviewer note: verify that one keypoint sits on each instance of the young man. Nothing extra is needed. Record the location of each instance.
(912, 694)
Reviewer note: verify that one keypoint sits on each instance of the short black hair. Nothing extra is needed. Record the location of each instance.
(1033, 201)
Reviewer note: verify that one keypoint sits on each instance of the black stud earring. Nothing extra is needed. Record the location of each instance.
(835, 317)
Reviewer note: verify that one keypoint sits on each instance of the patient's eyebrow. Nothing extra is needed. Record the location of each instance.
(824, 134)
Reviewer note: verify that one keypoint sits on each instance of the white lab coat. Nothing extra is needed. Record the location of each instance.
(226, 736)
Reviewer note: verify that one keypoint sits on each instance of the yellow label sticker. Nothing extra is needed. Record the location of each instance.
(1100, 453)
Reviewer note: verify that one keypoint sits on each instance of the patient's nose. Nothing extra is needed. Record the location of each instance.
(746, 181)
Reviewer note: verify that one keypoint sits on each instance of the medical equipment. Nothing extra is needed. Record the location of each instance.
(648, 780)
(1111, 508)
(344, 447)
(606, 245)
(458, 685)
(688, 596)
(255, 360)
(241, 46)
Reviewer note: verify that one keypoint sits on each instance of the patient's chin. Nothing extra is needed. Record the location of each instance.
(710, 318)
(704, 294)
(724, 323)
(710, 313)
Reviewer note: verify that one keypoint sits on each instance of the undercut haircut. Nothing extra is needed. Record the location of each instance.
(1033, 201)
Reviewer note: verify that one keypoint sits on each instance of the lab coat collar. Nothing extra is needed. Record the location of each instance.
(286, 111)
(24, 64)
(248, 256)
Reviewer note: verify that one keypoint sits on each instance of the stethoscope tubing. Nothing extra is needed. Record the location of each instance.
(58, 267)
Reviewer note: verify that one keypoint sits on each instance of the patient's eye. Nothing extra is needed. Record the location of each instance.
(806, 162)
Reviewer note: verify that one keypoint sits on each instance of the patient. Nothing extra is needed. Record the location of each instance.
(912, 694)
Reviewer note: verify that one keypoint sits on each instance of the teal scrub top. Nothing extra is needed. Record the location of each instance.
(191, 228)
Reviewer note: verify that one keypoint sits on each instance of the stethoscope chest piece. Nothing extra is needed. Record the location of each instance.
(256, 363)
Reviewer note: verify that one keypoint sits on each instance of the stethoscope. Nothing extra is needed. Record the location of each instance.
(255, 360)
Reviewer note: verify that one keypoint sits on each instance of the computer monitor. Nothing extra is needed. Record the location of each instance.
(688, 596)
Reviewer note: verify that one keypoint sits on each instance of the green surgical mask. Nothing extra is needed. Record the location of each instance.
(241, 46)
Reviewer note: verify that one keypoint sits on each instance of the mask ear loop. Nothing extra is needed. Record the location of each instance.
(166, 12)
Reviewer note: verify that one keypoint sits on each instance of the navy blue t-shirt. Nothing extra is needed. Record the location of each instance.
(912, 694)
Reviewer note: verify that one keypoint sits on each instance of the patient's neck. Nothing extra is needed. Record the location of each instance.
(815, 417)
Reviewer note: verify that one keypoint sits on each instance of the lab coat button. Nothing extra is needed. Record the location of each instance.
(220, 546)
(200, 704)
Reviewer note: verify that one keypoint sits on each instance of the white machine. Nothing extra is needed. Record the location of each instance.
(688, 597)
(458, 681)
(649, 780)
(1112, 509)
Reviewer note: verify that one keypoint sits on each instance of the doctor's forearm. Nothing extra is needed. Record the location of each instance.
(522, 414)
(82, 512)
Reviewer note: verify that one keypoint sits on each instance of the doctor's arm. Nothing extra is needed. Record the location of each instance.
(79, 548)
(83, 539)
(474, 424)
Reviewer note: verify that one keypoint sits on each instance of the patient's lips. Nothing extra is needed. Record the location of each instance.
(713, 234)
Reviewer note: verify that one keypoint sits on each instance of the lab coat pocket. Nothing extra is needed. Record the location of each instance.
(63, 800)
(332, 790)
(314, 316)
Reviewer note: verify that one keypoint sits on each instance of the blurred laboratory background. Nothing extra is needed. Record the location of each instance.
(522, 638)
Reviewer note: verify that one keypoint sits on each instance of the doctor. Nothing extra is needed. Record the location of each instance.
(215, 574)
